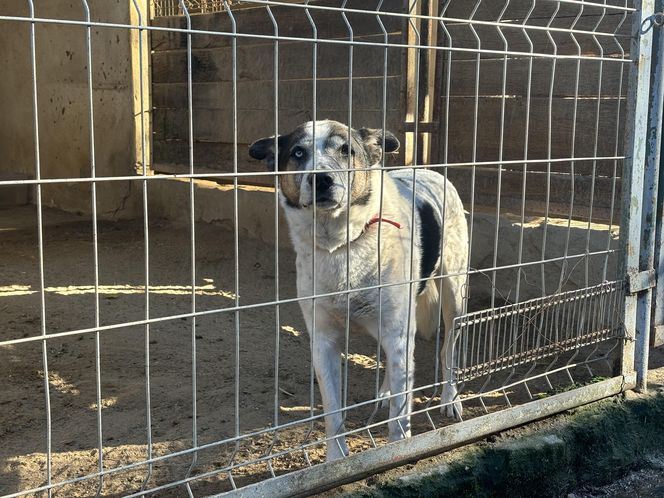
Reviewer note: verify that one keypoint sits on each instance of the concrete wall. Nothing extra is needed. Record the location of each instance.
(63, 103)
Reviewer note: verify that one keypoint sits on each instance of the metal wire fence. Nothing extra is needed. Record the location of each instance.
(522, 105)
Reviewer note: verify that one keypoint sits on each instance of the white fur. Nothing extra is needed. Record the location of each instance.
(398, 325)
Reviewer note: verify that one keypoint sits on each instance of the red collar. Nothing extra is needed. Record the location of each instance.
(377, 219)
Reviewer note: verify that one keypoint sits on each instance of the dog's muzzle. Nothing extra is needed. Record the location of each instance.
(324, 185)
(322, 182)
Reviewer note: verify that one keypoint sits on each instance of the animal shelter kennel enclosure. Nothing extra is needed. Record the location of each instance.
(151, 337)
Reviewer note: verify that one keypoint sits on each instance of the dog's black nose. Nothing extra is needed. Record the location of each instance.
(323, 182)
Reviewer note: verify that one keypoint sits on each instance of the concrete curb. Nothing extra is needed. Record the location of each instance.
(594, 444)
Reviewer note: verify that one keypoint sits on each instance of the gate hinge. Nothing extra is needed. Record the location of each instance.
(640, 281)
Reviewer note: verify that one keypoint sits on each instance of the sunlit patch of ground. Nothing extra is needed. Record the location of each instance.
(208, 289)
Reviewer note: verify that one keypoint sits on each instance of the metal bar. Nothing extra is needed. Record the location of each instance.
(473, 173)
(349, 124)
(192, 246)
(632, 178)
(539, 302)
(600, 48)
(40, 248)
(438, 66)
(649, 203)
(414, 28)
(569, 2)
(379, 272)
(277, 309)
(314, 112)
(95, 247)
(577, 74)
(328, 475)
(146, 247)
(548, 147)
(501, 150)
(236, 234)
(408, 15)
(616, 146)
(526, 136)
(46, 20)
(240, 174)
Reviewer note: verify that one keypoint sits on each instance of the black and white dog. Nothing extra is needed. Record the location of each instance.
(348, 213)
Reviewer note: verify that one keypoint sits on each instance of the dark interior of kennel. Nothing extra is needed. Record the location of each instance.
(464, 100)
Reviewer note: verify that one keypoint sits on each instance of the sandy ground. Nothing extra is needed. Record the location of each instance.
(221, 359)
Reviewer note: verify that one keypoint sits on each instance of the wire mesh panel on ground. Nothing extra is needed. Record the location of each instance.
(152, 335)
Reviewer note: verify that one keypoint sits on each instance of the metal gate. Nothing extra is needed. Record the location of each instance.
(540, 112)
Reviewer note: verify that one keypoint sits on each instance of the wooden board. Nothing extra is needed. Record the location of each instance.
(332, 94)
(216, 125)
(206, 154)
(559, 199)
(461, 142)
(256, 62)
(172, 156)
(244, 167)
(563, 73)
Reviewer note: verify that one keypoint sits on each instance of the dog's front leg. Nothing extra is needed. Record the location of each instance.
(326, 355)
(399, 346)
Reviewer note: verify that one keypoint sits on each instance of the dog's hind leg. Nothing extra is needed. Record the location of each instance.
(453, 288)
(384, 391)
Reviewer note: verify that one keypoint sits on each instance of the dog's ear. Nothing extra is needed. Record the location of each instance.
(373, 141)
(263, 149)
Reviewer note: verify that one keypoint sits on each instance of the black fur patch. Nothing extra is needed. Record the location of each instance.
(429, 242)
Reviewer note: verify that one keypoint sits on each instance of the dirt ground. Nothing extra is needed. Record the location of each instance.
(228, 347)
(643, 483)
(643, 467)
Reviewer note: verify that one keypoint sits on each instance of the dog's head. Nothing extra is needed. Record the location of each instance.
(340, 155)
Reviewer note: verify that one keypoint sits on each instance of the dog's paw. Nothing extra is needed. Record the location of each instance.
(336, 449)
(453, 410)
(450, 408)
(399, 434)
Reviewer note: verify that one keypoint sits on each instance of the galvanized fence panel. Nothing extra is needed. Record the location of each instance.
(524, 105)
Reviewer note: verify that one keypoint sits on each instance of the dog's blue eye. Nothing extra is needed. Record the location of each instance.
(297, 153)
(344, 150)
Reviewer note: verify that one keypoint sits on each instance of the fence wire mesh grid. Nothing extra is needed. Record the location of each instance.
(153, 343)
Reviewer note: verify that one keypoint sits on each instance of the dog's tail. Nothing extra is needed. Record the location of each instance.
(428, 311)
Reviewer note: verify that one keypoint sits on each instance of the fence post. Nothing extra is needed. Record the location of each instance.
(657, 338)
(633, 182)
(647, 256)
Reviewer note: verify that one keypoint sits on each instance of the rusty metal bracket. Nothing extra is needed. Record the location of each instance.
(640, 281)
